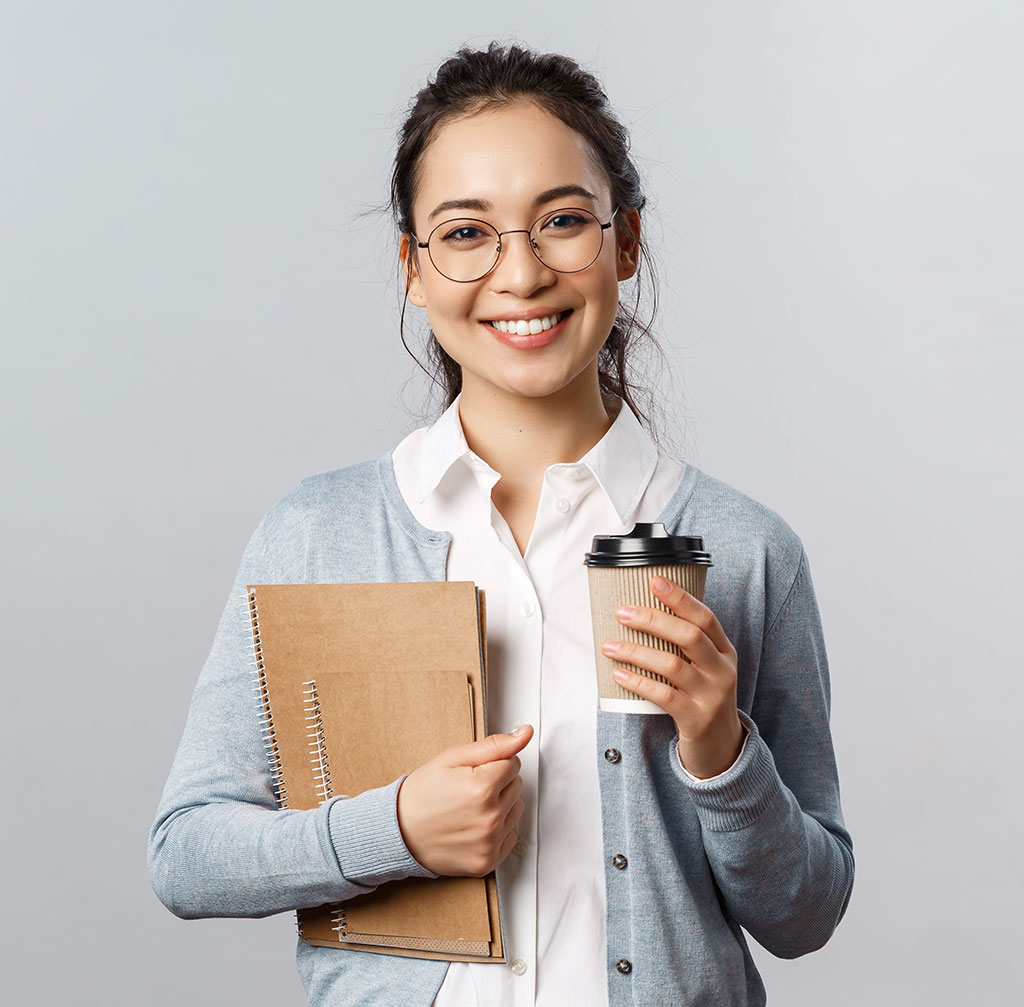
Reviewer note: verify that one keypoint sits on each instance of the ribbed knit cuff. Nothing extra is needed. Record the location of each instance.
(367, 840)
(739, 796)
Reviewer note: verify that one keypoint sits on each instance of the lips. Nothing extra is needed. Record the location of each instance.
(531, 340)
(529, 323)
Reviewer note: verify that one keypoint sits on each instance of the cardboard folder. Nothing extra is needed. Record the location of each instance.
(361, 683)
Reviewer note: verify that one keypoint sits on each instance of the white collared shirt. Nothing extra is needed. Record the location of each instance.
(540, 671)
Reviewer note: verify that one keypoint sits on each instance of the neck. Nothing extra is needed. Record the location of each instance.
(519, 436)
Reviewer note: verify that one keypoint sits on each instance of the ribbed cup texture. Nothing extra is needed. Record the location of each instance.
(611, 587)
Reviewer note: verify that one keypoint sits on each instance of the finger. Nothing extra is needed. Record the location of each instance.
(506, 845)
(687, 607)
(677, 669)
(508, 797)
(493, 748)
(498, 775)
(671, 700)
(515, 813)
(674, 629)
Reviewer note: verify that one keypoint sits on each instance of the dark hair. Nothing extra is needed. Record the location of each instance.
(472, 81)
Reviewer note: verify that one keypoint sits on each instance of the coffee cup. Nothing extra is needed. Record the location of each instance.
(619, 570)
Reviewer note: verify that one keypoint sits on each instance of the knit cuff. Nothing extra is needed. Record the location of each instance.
(368, 841)
(739, 796)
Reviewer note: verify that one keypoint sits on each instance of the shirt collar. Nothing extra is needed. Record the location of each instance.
(622, 461)
(443, 445)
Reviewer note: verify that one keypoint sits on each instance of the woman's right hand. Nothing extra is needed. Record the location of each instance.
(458, 812)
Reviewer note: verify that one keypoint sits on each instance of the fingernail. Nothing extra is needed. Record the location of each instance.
(520, 729)
(610, 646)
(625, 613)
(620, 676)
(660, 586)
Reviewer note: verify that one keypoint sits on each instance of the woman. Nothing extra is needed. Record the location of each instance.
(630, 849)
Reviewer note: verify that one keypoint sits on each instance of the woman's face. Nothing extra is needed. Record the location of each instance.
(495, 166)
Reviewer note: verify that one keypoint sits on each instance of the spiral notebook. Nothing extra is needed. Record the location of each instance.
(359, 684)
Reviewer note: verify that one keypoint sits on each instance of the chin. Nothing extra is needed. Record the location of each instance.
(540, 386)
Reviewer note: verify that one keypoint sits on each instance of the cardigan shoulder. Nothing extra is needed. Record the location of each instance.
(349, 524)
(754, 550)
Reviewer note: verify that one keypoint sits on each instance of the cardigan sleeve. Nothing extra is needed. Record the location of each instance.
(772, 825)
(219, 845)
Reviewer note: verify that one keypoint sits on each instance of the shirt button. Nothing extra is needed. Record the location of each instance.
(619, 861)
(520, 848)
(562, 505)
(518, 966)
(612, 754)
(624, 966)
(527, 608)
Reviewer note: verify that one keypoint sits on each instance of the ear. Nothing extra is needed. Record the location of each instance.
(628, 244)
(413, 282)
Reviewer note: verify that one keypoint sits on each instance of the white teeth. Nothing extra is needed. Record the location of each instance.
(532, 327)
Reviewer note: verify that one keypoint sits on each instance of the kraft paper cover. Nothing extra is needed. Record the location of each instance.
(361, 684)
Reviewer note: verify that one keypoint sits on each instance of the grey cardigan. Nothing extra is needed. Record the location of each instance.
(762, 848)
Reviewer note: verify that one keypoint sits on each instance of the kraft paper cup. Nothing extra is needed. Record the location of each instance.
(619, 569)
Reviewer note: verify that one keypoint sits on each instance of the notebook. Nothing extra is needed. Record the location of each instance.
(359, 684)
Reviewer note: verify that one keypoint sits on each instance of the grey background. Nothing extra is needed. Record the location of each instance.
(195, 316)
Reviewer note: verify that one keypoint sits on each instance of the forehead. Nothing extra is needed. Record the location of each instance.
(506, 157)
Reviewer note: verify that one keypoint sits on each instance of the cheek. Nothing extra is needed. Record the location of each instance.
(450, 309)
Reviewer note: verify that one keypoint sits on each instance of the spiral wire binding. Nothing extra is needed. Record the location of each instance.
(269, 735)
(317, 742)
(339, 923)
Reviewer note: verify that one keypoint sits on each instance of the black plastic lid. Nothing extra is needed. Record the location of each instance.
(647, 545)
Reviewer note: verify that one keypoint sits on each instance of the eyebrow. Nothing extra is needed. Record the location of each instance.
(481, 204)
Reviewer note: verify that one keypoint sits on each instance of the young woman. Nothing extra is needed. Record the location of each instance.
(632, 851)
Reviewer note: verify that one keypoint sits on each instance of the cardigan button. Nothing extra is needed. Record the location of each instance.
(624, 966)
(619, 861)
(612, 754)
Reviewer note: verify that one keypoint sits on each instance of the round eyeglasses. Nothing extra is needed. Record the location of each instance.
(465, 249)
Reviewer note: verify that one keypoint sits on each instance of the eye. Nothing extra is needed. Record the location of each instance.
(463, 233)
(564, 222)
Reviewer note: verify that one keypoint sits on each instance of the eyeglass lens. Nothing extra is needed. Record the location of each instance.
(566, 240)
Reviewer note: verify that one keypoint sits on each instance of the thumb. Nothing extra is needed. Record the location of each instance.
(493, 748)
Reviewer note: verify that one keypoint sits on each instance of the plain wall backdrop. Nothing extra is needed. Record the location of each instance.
(195, 315)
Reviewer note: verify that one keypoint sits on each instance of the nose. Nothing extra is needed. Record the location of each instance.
(518, 270)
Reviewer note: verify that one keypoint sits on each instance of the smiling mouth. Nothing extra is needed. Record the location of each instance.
(532, 327)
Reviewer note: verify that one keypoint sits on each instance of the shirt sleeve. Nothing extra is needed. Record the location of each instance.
(772, 826)
(220, 846)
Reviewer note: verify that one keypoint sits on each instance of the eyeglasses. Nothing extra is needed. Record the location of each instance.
(465, 249)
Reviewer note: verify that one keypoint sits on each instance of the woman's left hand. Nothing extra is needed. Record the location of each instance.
(702, 697)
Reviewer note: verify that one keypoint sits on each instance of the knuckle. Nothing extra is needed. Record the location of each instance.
(661, 693)
(690, 632)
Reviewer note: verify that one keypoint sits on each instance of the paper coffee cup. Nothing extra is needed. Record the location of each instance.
(619, 569)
